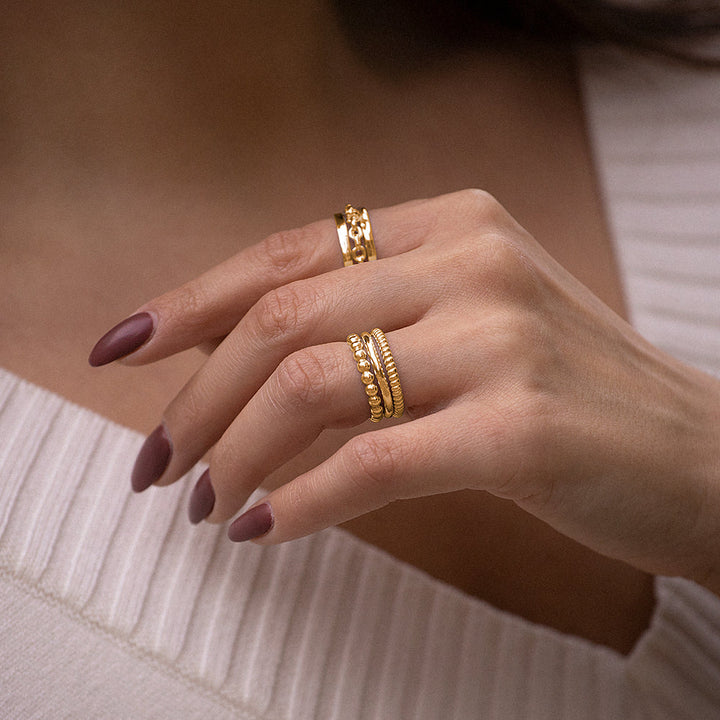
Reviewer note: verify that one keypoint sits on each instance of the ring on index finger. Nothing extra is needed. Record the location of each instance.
(355, 235)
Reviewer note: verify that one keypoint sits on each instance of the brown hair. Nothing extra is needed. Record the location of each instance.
(668, 27)
(417, 29)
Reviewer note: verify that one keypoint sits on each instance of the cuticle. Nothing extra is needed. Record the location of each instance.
(169, 439)
(155, 322)
(272, 521)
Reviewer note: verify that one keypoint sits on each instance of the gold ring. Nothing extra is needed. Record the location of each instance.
(378, 373)
(381, 379)
(355, 235)
(367, 376)
(392, 373)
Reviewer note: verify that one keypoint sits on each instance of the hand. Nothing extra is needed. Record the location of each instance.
(517, 381)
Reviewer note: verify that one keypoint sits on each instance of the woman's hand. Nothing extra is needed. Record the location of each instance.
(517, 381)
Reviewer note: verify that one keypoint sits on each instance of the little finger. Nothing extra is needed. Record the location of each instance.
(367, 473)
(311, 390)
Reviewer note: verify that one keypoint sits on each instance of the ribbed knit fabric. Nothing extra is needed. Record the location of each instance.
(656, 131)
(113, 606)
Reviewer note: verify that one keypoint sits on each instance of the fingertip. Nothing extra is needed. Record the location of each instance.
(256, 523)
(202, 499)
(123, 339)
(152, 460)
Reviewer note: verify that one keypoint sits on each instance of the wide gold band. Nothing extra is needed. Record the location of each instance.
(355, 235)
(378, 373)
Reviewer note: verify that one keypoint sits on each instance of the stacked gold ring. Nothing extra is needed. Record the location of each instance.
(381, 380)
(355, 235)
(367, 376)
(391, 372)
(378, 373)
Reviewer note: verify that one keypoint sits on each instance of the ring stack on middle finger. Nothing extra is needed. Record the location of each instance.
(381, 386)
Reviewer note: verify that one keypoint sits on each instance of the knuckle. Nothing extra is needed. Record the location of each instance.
(526, 363)
(302, 379)
(502, 255)
(485, 270)
(191, 301)
(505, 267)
(285, 251)
(480, 205)
(518, 336)
(477, 197)
(285, 312)
(282, 249)
(374, 464)
(276, 313)
(524, 413)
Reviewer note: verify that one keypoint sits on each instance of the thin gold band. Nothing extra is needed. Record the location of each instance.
(392, 373)
(380, 379)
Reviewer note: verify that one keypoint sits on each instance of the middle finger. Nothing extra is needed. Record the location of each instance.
(302, 314)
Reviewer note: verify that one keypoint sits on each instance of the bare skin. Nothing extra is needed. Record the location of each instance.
(145, 145)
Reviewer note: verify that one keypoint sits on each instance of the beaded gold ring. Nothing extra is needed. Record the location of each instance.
(367, 376)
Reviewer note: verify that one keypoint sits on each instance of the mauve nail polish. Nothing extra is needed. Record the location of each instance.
(202, 499)
(255, 522)
(123, 339)
(152, 460)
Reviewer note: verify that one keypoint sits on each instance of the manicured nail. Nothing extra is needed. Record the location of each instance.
(202, 499)
(255, 522)
(126, 337)
(152, 460)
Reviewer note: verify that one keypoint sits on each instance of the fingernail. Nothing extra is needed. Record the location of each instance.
(255, 522)
(152, 460)
(202, 499)
(123, 339)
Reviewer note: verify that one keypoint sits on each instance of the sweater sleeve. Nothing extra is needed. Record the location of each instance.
(674, 672)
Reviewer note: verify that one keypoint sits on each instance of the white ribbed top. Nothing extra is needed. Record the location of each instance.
(656, 129)
(326, 627)
(113, 606)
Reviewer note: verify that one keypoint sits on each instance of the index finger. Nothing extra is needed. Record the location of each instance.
(209, 306)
